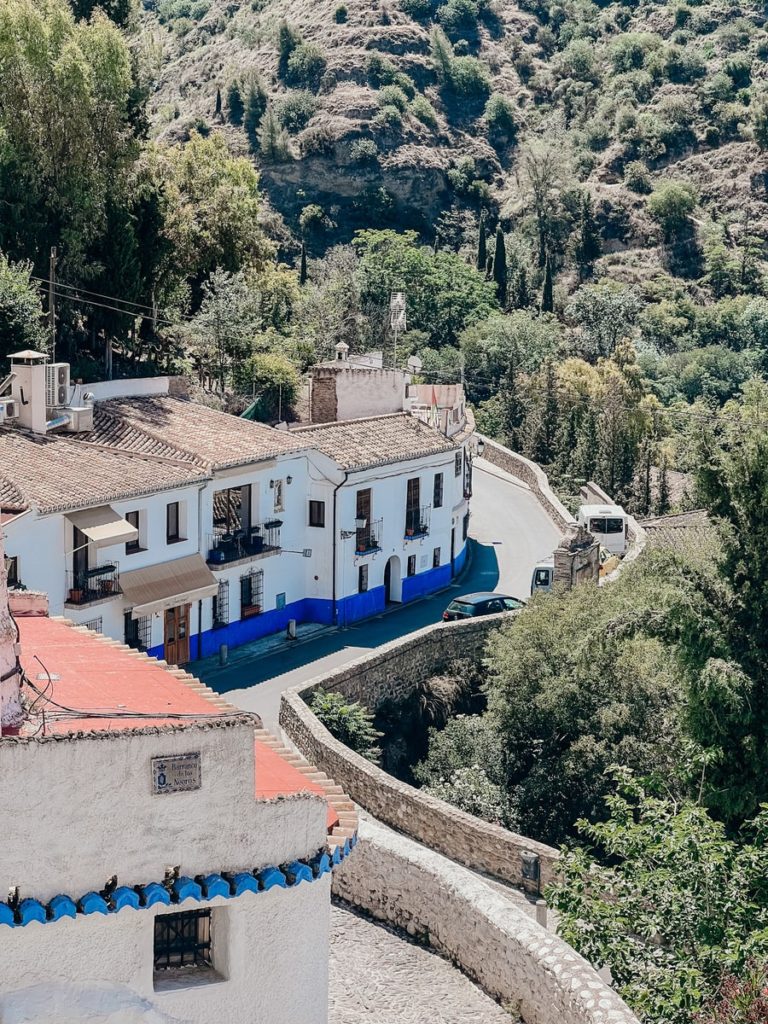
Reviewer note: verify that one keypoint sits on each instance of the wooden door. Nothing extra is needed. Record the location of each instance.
(177, 635)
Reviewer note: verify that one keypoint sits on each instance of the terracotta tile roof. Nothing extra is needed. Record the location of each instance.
(56, 473)
(112, 431)
(376, 441)
(93, 674)
(214, 439)
(11, 498)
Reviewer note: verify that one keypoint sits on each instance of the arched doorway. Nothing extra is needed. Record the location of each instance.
(393, 582)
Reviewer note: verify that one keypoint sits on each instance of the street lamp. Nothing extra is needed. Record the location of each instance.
(480, 447)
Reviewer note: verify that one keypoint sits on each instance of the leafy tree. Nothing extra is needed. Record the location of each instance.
(442, 54)
(605, 313)
(544, 169)
(273, 140)
(348, 721)
(588, 244)
(21, 314)
(499, 116)
(306, 66)
(671, 204)
(500, 267)
(118, 11)
(223, 331)
(287, 41)
(668, 901)
(273, 381)
(255, 107)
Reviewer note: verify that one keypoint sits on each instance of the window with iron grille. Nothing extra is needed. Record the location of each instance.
(138, 632)
(459, 462)
(221, 605)
(412, 565)
(95, 625)
(172, 522)
(183, 940)
(362, 579)
(436, 558)
(437, 497)
(251, 593)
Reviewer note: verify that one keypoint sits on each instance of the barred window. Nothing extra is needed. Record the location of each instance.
(362, 578)
(436, 558)
(459, 462)
(412, 565)
(221, 605)
(252, 593)
(183, 940)
(138, 632)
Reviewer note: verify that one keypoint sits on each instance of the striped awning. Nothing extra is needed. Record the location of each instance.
(167, 585)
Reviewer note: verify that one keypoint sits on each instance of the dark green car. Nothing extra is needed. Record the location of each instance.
(471, 605)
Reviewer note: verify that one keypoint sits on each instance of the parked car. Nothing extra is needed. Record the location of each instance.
(543, 578)
(471, 605)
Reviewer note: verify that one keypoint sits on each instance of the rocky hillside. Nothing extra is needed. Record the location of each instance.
(374, 125)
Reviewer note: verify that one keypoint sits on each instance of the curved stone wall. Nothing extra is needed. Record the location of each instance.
(495, 942)
(393, 671)
(532, 475)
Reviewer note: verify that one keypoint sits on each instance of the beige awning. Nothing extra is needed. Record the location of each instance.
(167, 585)
(103, 526)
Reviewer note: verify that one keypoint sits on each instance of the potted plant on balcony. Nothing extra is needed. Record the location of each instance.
(75, 595)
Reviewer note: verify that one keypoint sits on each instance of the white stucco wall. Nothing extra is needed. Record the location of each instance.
(83, 809)
(375, 392)
(270, 950)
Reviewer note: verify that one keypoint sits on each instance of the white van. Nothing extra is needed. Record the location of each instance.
(607, 524)
(543, 577)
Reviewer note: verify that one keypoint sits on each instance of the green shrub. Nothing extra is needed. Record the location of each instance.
(578, 60)
(340, 15)
(364, 151)
(294, 111)
(683, 65)
(469, 77)
(459, 15)
(348, 722)
(739, 70)
(422, 109)
(380, 70)
(671, 204)
(405, 82)
(389, 117)
(420, 10)
(306, 66)
(319, 140)
(499, 116)
(637, 178)
(393, 96)
(235, 105)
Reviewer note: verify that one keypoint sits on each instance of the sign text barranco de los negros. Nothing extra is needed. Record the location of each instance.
(176, 773)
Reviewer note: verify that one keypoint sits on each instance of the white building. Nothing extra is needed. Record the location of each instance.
(165, 863)
(178, 528)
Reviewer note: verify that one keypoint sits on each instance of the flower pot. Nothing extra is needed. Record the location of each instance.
(75, 595)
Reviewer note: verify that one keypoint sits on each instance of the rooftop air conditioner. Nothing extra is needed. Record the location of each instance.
(80, 418)
(8, 409)
(56, 385)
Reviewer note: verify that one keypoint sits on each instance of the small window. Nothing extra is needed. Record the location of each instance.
(511, 604)
(183, 940)
(412, 565)
(494, 606)
(133, 545)
(172, 533)
(614, 525)
(362, 579)
(597, 526)
(138, 632)
(436, 558)
(541, 578)
(277, 493)
(280, 601)
(221, 605)
(251, 594)
(317, 513)
(12, 571)
(459, 462)
(437, 496)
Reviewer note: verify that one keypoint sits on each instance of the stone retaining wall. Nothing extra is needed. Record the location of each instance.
(492, 940)
(392, 671)
(532, 475)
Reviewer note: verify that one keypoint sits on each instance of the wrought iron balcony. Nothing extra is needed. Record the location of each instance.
(368, 537)
(417, 521)
(261, 539)
(85, 586)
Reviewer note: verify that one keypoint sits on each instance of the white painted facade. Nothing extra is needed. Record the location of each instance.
(312, 575)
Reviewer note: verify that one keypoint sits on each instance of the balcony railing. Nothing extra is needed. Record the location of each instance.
(84, 586)
(368, 538)
(247, 543)
(417, 521)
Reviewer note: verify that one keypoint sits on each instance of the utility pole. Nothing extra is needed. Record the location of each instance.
(52, 300)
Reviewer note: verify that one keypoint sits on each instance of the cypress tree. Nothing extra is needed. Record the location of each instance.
(218, 102)
(521, 294)
(489, 268)
(255, 107)
(547, 298)
(235, 104)
(662, 498)
(500, 268)
(303, 265)
(588, 244)
(436, 243)
(482, 255)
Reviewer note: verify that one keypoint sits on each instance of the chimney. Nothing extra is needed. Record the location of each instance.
(342, 352)
(29, 389)
(11, 712)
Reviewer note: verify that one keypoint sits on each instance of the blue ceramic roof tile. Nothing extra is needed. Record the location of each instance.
(321, 864)
(186, 889)
(93, 903)
(297, 872)
(215, 885)
(61, 906)
(6, 915)
(271, 876)
(244, 882)
(123, 896)
(32, 910)
(154, 893)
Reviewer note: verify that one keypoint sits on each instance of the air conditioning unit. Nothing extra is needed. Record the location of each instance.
(8, 409)
(56, 385)
(80, 418)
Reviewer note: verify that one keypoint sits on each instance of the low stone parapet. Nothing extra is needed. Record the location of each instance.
(511, 957)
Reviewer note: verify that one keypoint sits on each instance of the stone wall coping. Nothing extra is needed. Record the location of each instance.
(511, 956)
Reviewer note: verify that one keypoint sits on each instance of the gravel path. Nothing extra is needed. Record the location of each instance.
(377, 976)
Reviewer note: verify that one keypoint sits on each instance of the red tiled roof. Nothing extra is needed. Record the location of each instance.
(276, 777)
(90, 675)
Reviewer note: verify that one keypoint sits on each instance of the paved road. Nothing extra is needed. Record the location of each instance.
(377, 978)
(511, 533)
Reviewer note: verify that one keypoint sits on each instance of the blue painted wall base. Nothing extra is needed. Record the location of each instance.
(349, 609)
